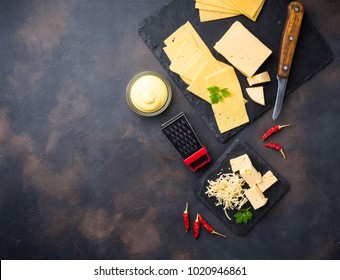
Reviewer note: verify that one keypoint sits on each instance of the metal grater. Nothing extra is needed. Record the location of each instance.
(182, 136)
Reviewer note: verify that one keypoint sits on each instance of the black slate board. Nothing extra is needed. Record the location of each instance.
(312, 52)
(274, 193)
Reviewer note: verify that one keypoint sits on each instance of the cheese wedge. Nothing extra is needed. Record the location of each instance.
(242, 49)
(231, 112)
(256, 94)
(259, 79)
(256, 197)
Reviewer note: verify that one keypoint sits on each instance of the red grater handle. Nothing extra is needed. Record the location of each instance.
(202, 155)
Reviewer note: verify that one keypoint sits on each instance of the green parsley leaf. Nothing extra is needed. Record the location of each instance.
(217, 94)
(243, 216)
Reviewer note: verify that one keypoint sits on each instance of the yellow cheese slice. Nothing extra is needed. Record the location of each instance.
(242, 49)
(256, 94)
(172, 49)
(206, 15)
(247, 7)
(219, 3)
(191, 69)
(208, 7)
(231, 112)
(198, 86)
(185, 54)
(183, 31)
(259, 78)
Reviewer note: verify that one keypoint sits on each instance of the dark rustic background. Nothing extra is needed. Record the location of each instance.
(84, 177)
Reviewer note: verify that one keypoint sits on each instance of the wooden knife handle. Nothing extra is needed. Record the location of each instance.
(289, 38)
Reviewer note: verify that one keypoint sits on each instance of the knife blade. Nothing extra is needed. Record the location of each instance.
(295, 11)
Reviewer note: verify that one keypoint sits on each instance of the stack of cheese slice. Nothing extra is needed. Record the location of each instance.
(192, 60)
(258, 184)
(218, 9)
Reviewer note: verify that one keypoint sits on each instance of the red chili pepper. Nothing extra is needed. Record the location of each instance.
(186, 218)
(208, 227)
(272, 130)
(197, 227)
(275, 146)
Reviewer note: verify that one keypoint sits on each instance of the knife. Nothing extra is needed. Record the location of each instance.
(289, 39)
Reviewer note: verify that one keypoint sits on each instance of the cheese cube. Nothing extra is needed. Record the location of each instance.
(240, 162)
(259, 78)
(256, 197)
(251, 175)
(242, 49)
(268, 179)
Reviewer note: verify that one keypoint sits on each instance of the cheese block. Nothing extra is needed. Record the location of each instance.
(240, 162)
(256, 197)
(256, 94)
(242, 49)
(231, 112)
(259, 79)
(268, 179)
(250, 175)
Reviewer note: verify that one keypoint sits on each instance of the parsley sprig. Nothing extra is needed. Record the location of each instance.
(217, 94)
(243, 216)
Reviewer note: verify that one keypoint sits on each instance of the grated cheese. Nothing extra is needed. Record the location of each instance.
(227, 189)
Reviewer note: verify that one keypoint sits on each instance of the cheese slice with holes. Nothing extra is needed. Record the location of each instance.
(231, 112)
(242, 49)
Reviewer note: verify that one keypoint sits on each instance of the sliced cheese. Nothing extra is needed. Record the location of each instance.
(198, 86)
(256, 94)
(251, 175)
(268, 179)
(182, 32)
(172, 49)
(259, 79)
(240, 162)
(206, 15)
(242, 49)
(248, 7)
(186, 53)
(231, 112)
(256, 197)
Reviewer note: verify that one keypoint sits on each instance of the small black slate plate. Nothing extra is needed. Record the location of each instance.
(311, 55)
(274, 193)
